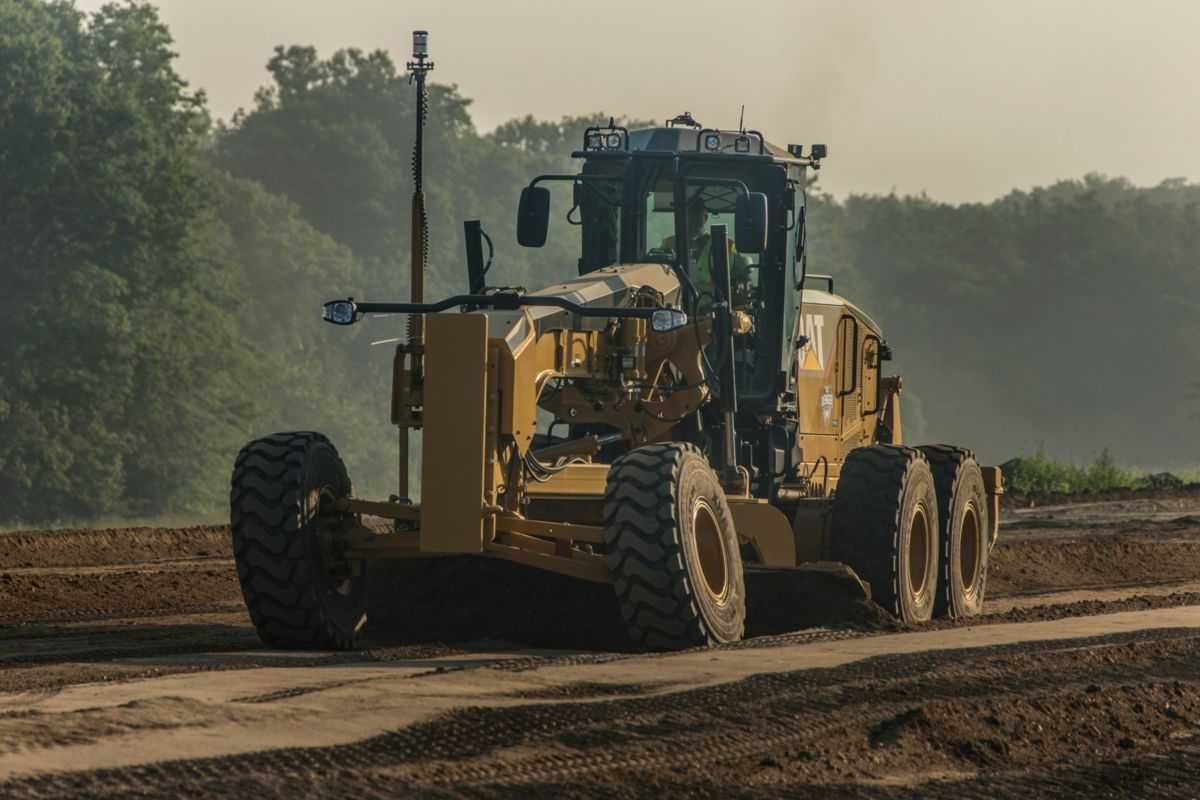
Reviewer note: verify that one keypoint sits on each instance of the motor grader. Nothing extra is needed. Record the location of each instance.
(691, 407)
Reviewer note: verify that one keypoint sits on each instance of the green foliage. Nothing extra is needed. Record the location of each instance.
(150, 321)
(1040, 473)
(97, 135)
(553, 141)
(336, 135)
(1188, 475)
(1060, 315)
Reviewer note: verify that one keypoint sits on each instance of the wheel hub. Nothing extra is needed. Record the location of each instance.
(919, 542)
(970, 548)
(710, 552)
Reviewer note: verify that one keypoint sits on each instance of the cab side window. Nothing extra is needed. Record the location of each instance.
(848, 348)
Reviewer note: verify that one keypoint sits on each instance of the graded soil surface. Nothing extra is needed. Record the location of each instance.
(128, 667)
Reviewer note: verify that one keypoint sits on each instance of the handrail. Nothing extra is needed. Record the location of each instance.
(500, 302)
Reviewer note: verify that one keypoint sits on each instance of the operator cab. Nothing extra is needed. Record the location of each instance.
(654, 195)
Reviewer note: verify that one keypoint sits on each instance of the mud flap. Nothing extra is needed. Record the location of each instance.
(821, 594)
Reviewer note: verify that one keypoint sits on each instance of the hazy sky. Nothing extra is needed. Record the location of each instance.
(964, 100)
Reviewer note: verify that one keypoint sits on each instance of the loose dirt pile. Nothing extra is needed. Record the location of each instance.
(1013, 500)
(100, 547)
(1071, 557)
(76, 574)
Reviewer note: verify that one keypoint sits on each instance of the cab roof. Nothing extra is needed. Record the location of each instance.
(693, 141)
(684, 140)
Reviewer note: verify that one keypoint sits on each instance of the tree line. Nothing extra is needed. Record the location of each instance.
(162, 273)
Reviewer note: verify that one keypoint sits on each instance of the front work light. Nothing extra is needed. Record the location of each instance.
(741, 144)
(614, 141)
(668, 319)
(340, 312)
(712, 141)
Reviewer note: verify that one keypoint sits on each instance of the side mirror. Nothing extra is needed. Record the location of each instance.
(533, 216)
(750, 222)
(801, 243)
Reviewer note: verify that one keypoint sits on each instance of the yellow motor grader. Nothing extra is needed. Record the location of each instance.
(689, 406)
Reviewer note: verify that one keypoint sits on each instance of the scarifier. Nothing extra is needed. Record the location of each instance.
(687, 415)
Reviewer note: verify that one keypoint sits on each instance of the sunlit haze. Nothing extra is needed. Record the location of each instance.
(964, 101)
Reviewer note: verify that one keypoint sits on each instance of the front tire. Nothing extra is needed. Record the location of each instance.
(963, 511)
(672, 549)
(885, 527)
(297, 595)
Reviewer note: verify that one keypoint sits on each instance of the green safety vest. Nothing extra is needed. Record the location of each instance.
(702, 269)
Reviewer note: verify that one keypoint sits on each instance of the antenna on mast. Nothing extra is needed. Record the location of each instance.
(742, 120)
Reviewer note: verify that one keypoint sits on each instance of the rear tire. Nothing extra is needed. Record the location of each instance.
(294, 596)
(963, 511)
(885, 527)
(672, 549)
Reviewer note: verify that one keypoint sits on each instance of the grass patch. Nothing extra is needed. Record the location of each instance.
(1040, 474)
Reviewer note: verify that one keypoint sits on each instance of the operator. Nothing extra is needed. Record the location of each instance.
(700, 250)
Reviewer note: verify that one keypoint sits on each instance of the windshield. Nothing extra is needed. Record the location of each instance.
(628, 212)
(706, 206)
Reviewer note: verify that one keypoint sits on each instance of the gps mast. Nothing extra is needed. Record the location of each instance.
(403, 413)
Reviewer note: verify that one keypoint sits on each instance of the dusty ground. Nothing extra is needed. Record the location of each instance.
(128, 667)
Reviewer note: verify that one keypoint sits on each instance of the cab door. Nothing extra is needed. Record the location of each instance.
(850, 378)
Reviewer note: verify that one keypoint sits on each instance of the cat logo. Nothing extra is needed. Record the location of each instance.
(812, 355)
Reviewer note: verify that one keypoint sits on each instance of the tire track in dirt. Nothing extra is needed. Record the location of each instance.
(913, 711)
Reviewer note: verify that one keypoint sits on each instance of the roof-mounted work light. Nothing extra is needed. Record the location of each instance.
(606, 137)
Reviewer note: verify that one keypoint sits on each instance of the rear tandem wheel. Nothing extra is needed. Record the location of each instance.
(885, 527)
(963, 511)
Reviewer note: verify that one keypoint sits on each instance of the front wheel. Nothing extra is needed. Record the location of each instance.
(298, 593)
(672, 549)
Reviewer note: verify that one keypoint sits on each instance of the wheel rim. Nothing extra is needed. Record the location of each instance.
(970, 548)
(710, 550)
(919, 543)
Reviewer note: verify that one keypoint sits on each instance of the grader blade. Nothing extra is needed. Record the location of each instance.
(819, 594)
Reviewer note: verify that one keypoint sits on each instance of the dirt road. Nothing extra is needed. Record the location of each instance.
(128, 667)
